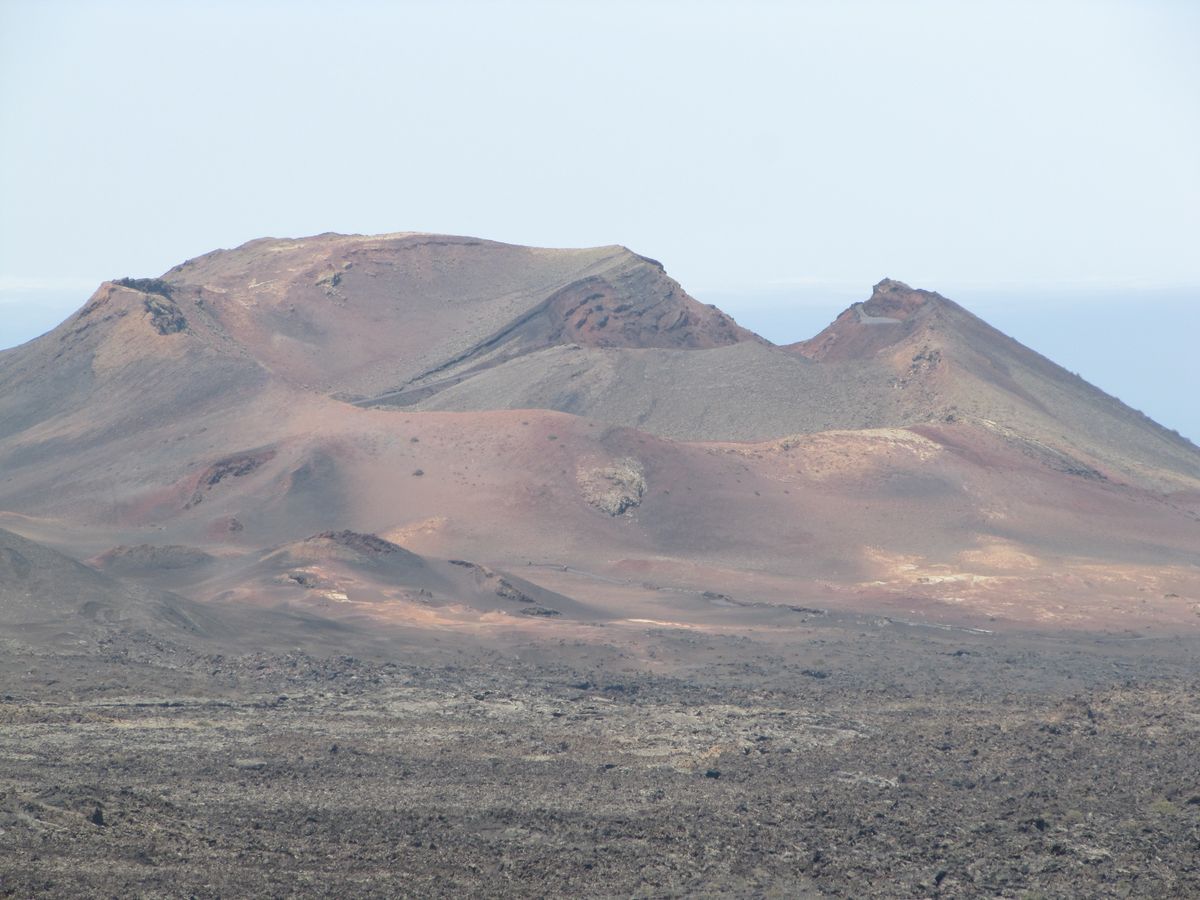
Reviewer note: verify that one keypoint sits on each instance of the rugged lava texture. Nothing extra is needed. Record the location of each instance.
(857, 759)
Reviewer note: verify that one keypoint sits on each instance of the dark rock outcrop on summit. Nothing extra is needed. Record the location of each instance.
(893, 311)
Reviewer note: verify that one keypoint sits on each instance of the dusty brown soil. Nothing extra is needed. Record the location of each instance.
(860, 760)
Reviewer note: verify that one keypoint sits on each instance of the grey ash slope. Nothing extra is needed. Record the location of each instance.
(49, 598)
(743, 392)
(905, 357)
(54, 609)
(129, 356)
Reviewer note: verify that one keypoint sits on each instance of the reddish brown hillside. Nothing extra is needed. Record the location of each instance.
(893, 313)
(944, 364)
(357, 316)
(575, 416)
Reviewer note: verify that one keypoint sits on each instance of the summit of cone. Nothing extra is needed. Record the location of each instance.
(894, 311)
(895, 299)
(360, 316)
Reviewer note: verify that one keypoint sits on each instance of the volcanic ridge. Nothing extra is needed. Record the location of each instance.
(576, 415)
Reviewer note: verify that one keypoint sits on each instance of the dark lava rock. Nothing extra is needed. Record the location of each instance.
(366, 544)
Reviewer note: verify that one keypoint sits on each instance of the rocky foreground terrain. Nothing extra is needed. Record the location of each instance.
(858, 757)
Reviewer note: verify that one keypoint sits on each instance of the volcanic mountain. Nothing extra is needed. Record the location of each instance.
(244, 428)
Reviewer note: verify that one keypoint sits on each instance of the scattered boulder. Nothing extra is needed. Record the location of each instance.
(234, 466)
(614, 489)
(508, 591)
(305, 580)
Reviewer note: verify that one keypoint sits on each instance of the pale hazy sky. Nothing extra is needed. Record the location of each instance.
(1039, 162)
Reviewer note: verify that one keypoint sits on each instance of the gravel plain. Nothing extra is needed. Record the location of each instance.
(855, 759)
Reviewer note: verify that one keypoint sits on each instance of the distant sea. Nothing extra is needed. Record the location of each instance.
(26, 313)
